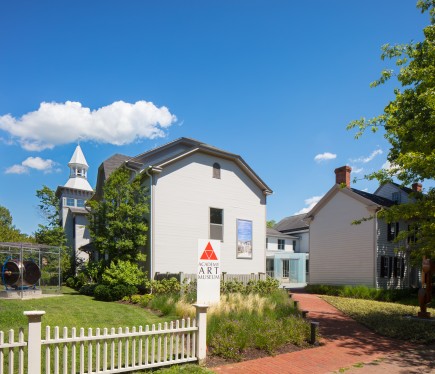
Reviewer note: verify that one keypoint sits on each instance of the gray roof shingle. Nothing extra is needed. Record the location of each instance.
(292, 223)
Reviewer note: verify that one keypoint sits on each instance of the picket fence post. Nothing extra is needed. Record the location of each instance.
(34, 341)
(201, 323)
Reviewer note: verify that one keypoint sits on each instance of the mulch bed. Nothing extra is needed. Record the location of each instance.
(250, 354)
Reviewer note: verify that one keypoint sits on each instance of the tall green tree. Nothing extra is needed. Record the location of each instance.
(408, 123)
(8, 232)
(52, 233)
(117, 222)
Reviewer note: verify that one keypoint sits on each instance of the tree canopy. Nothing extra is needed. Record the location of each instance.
(408, 123)
(117, 222)
(51, 233)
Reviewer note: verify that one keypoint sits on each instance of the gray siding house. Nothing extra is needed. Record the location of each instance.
(197, 191)
(345, 254)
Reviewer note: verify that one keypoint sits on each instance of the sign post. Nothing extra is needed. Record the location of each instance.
(209, 271)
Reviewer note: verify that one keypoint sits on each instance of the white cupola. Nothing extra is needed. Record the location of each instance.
(78, 177)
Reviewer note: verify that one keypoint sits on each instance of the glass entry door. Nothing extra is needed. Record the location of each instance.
(285, 268)
(294, 274)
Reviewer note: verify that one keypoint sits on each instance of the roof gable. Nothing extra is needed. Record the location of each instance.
(371, 201)
(158, 158)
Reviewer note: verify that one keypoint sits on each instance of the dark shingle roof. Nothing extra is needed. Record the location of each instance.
(273, 232)
(403, 188)
(376, 199)
(292, 223)
(113, 163)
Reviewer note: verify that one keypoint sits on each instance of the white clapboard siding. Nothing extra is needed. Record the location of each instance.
(342, 253)
(184, 192)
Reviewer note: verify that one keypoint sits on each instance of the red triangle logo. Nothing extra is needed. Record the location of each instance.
(208, 253)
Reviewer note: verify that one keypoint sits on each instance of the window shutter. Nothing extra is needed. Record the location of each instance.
(402, 267)
(383, 274)
(396, 267)
(390, 266)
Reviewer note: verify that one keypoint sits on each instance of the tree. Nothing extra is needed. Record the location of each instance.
(52, 232)
(271, 224)
(8, 232)
(117, 222)
(408, 122)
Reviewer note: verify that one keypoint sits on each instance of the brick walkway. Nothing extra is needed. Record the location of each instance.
(344, 343)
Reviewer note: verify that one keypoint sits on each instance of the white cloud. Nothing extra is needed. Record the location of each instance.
(47, 166)
(365, 160)
(17, 169)
(62, 123)
(356, 170)
(325, 156)
(310, 202)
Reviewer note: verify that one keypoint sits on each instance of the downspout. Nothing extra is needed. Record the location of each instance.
(375, 246)
(151, 236)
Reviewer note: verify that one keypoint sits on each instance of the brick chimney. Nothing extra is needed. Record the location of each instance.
(342, 175)
(417, 187)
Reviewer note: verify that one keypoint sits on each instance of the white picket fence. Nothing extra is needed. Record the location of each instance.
(71, 351)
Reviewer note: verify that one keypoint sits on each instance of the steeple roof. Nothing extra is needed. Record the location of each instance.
(78, 158)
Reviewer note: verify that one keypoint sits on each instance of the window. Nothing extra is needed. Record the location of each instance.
(80, 203)
(270, 267)
(392, 231)
(281, 244)
(216, 171)
(396, 197)
(216, 224)
(285, 268)
(399, 267)
(392, 266)
(267, 243)
(69, 201)
(294, 245)
(385, 266)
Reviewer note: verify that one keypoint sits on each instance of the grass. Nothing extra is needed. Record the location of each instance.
(387, 319)
(74, 310)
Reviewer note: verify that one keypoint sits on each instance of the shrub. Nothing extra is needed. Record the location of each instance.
(123, 272)
(88, 289)
(360, 292)
(103, 293)
(262, 287)
(79, 280)
(145, 299)
(70, 282)
(164, 286)
(121, 290)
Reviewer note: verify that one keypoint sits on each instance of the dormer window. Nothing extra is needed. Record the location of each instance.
(216, 171)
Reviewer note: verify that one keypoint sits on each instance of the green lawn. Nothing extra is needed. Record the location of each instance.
(75, 310)
(387, 319)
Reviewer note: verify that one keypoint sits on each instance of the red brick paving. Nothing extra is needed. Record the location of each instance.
(344, 343)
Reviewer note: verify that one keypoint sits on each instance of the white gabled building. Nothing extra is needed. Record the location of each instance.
(197, 191)
(342, 253)
(72, 198)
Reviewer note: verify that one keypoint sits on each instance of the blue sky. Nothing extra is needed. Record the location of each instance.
(274, 81)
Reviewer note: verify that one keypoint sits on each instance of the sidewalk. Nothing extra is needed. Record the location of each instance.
(345, 343)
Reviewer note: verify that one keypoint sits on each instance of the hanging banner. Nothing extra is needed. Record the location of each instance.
(209, 271)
